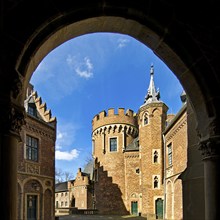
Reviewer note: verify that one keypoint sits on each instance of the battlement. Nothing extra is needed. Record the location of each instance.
(103, 118)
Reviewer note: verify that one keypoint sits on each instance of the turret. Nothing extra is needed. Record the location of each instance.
(151, 120)
(112, 133)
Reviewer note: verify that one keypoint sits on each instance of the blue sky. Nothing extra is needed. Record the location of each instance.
(92, 73)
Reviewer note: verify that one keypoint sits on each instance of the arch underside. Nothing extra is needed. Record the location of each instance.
(178, 41)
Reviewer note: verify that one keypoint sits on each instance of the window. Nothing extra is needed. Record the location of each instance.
(170, 154)
(146, 119)
(32, 110)
(113, 144)
(155, 182)
(155, 156)
(31, 148)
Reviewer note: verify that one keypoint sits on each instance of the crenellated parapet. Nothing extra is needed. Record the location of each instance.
(114, 122)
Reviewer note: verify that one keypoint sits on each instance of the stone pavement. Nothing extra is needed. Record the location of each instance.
(100, 217)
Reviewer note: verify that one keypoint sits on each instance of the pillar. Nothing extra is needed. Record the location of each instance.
(193, 176)
(11, 121)
(211, 158)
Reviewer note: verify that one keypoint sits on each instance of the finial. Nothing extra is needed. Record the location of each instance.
(152, 95)
(152, 69)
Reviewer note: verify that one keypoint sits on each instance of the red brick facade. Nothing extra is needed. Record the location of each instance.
(128, 176)
(138, 180)
(36, 162)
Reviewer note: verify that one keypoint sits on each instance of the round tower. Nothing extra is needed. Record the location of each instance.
(151, 120)
(111, 133)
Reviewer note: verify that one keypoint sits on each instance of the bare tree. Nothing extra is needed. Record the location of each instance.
(61, 176)
(58, 175)
(68, 176)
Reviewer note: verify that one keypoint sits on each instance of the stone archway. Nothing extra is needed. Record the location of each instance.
(185, 43)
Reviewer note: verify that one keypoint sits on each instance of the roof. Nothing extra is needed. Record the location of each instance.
(134, 145)
(152, 95)
(177, 116)
(61, 187)
(88, 170)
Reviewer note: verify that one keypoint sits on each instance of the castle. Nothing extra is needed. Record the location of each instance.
(137, 162)
(136, 165)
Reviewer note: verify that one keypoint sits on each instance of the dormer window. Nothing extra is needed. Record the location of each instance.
(32, 110)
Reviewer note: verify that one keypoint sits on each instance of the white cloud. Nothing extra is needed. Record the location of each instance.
(84, 68)
(65, 155)
(122, 42)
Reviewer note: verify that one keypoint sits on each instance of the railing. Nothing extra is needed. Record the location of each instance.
(74, 210)
(62, 211)
(83, 211)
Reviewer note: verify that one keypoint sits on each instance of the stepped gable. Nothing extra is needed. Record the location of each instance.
(122, 117)
(41, 107)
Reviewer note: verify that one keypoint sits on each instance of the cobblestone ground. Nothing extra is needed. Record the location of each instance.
(101, 217)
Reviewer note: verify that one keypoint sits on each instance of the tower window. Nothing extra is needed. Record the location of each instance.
(146, 119)
(155, 182)
(113, 144)
(155, 156)
(31, 148)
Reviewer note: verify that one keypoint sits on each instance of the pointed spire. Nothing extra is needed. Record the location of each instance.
(152, 95)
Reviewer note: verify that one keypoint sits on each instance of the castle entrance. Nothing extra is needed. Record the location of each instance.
(32, 207)
(159, 208)
(134, 208)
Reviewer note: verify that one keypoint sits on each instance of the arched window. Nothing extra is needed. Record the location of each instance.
(146, 119)
(156, 182)
(155, 156)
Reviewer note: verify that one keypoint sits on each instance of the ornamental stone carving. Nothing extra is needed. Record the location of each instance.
(210, 148)
(32, 168)
(12, 118)
(16, 86)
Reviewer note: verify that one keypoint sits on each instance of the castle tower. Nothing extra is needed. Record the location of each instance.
(151, 121)
(111, 134)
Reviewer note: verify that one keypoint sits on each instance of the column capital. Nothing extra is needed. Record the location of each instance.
(12, 118)
(210, 147)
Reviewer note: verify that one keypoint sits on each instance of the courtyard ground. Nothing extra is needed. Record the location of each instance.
(101, 217)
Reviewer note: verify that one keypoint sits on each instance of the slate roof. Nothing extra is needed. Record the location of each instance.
(134, 145)
(88, 170)
(61, 187)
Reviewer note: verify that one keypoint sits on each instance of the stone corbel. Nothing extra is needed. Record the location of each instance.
(12, 119)
(210, 148)
(16, 86)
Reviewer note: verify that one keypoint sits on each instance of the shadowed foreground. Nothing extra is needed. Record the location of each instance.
(95, 217)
